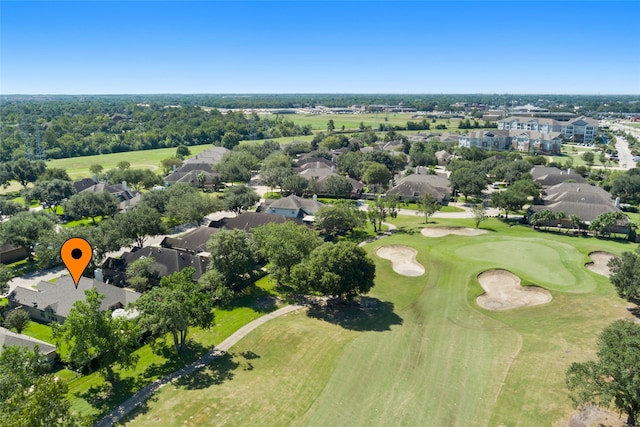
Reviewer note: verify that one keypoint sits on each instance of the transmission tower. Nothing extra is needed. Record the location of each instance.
(28, 146)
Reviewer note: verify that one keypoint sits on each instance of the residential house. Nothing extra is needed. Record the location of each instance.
(413, 187)
(167, 262)
(51, 302)
(443, 157)
(211, 156)
(126, 197)
(10, 253)
(83, 184)
(9, 338)
(193, 242)
(322, 174)
(191, 177)
(581, 199)
(247, 221)
(550, 176)
(295, 207)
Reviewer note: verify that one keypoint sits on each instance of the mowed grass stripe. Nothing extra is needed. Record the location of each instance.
(428, 355)
(274, 386)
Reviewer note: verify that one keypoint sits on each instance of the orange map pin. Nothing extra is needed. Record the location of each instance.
(76, 253)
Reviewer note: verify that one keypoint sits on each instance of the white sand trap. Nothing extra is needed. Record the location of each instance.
(443, 231)
(599, 264)
(403, 259)
(504, 292)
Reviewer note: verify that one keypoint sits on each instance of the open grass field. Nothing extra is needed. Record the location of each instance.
(423, 352)
(351, 122)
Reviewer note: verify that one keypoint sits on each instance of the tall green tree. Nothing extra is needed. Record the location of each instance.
(25, 229)
(614, 378)
(337, 186)
(625, 275)
(240, 198)
(234, 255)
(43, 403)
(91, 205)
(340, 269)
(10, 208)
(5, 276)
(190, 206)
(25, 171)
(427, 206)
(339, 219)
(468, 181)
(20, 366)
(138, 224)
(173, 307)
(295, 184)
(18, 320)
(509, 201)
(479, 214)
(285, 245)
(94, 337)
(50, 193)
(376, 174)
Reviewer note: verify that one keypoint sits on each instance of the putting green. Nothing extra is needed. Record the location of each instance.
(552, 265)
(422, 352)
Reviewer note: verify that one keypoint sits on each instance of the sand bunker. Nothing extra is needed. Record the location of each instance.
(443, 231)
(599, 264)
(504, 292)
(403, 259)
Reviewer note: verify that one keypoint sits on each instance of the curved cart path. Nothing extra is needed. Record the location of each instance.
(115, 415)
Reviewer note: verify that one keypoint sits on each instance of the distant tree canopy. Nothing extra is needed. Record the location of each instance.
(81, 126)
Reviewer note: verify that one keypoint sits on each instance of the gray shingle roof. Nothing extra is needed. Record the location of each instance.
(9, 338)
(211, 156)
(583, 200)
(61, 295)
(309, 206)
(418, 185)
(194, 241)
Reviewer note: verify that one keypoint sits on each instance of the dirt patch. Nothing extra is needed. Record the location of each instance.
(595, 416)
(403, 259)
(443, 231)
(504, 292)
(599, 264)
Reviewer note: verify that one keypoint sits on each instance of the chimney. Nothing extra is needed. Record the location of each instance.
(333, 169)
(578, 189)
(98, 275)
(315, 198)
(174, 168)
(95, 179)
(569, 171)
(124, 186)
(318, 165)
(618, 202)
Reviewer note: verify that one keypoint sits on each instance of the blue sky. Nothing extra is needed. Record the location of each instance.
(121, 47)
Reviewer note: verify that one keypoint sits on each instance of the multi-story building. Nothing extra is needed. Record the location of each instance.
(518, 140)
(580, 129)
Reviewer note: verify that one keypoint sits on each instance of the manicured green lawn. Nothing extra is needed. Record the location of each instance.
(91, 396)
(424, 353)
(78, 167)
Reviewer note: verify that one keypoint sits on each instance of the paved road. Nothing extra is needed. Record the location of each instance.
(624, 154)
(126, 407)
